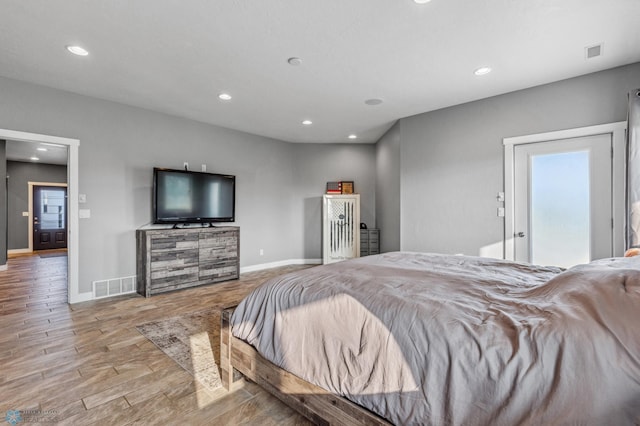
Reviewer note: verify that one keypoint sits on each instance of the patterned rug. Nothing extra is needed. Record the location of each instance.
(192, 340)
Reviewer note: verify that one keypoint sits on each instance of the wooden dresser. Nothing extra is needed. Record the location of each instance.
(172, 259)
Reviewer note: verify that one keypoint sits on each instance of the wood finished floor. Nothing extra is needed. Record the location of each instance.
(87, 364)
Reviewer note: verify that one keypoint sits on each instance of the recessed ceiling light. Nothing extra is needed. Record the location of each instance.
(224, 96)
(294, 61)
(482, 71)
(373, 101)
(34, 159)
(77, 50)
(42, 149)
(307, 122)
(422, 1)
(352, 136)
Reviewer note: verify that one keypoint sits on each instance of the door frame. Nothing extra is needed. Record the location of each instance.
(73, 240)
(31, 185)
(618, 140)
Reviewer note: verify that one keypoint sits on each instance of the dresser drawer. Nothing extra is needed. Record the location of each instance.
(177, 242)
(173, 259)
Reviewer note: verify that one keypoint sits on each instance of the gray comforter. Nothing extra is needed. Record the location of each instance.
(455, 340)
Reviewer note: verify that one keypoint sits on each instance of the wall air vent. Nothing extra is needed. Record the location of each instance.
(593, 51)
(114, 287)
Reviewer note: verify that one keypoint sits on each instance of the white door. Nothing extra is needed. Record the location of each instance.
(563, 201)
(340, 227)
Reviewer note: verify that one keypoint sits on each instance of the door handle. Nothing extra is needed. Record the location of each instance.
(520, 234)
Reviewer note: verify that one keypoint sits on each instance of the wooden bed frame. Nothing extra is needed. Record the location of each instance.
(238, 359)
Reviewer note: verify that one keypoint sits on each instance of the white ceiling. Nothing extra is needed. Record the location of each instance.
(24, 151)
(177, 56)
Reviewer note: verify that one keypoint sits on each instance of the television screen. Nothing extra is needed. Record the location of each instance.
(181, 196)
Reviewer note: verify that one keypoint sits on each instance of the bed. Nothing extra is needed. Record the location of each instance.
(429, 339)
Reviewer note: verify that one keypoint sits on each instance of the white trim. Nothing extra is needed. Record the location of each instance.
(73, 242)
(579, 132)
(30, 208)
(618, 139)
(19, 251)
(263, 266)
(83, 297)
(3, 267)
(619, 181)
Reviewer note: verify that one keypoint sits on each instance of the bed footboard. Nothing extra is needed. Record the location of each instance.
(237, 359)
(228, 374)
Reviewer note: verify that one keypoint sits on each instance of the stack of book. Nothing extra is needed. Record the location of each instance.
(342, 187)
(334, 187)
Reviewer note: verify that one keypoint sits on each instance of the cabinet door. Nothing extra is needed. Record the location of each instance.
(174, 261)
(341, 227)
(218, 255)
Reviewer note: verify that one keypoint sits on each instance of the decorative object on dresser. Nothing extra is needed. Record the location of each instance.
(340, 187)
(334, 187)
(347, 187)
(172, 259)
(340, 227)
(369, 241)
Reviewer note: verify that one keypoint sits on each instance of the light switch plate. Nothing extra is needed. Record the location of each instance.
(84, 213)
(25, 213)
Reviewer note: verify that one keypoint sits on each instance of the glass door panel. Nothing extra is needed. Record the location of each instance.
(52, 214)
(49, 217)
(560, 209)
(563, 201)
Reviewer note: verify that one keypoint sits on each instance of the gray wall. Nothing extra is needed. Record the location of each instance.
(119, 146)
(388, 169)
(317, 164)
(3, 199)
(20, 174)
(452, 159)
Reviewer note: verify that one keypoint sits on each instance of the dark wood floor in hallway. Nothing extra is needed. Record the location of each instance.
(87, 364)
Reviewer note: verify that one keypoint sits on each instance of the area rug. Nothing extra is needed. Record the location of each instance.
(192, 340)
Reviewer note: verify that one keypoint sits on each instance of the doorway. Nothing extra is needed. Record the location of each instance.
(74, 295)
(49, 217)
(564, 195)
(563, 201)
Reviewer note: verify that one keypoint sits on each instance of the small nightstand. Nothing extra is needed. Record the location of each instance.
(369, 242)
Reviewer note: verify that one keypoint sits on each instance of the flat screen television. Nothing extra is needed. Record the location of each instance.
(182, 196)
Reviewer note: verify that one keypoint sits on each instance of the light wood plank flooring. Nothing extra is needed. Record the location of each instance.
(87, 364)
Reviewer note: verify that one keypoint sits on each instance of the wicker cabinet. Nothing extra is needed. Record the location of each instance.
(172, 259)
(369, 241)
